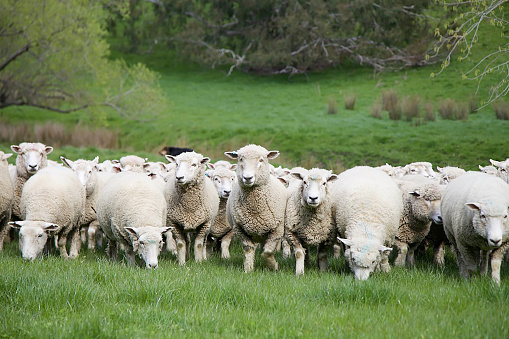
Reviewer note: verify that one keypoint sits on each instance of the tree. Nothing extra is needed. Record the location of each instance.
(53, 55)
(462, 34)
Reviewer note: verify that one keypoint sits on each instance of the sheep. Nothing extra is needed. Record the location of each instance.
(308, 220)
(502, 169)
(421, 202)
(53, 200)
(475, 213)
(131, 163)
(256, 206)
(448, 173)
(193, 203)
(491, 170)
(31, 157)
(420, 168)
(92, 181)
(6, 197)
(395, 172)
(223, 178)
(131, 210)
(367, 208)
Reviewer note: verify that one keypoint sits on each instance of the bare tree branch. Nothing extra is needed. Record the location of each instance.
(14, 56)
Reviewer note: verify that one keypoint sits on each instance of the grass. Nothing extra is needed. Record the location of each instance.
(93, 297)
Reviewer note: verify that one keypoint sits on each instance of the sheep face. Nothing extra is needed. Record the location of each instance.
(363, 256)
(190, 167)
(502, 169)
(491, 170)
(425, 205)
(86, 172)
(253, 164)
(314, 186)
(155, 169)
(490, 220)
(132, 163)
(223, 180)
(31, 156)
(420, 168)
(33, 236)
(147, 242)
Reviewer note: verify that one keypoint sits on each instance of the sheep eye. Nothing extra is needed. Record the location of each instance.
(39, 235)
(261, 160)
(142, 243)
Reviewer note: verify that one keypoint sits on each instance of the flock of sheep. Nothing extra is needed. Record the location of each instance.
(364, 212)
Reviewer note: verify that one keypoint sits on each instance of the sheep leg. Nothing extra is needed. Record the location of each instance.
(468, 260)
(182, 246)
(287, 250)
(61, 242)
(439, 254)
(496, 262)
(130, 255)
(200, 248)
(74, 249)
(225, 244)
(112, 250)
(322, 257)
(410, 256)
(483, 264)
(248, 247)
(269, 248)
(384, 263)
(91, 234)
(338, 250)
(83, 234)
(171, 245)
(4, 230)
(402, 252)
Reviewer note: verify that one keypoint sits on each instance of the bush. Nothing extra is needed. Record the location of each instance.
(429, 114)
(350, 101)
(501, 109)
(473, 103)
(332, 106)
(376, 111)
(410, 107)
(446, 109)
(461, 111)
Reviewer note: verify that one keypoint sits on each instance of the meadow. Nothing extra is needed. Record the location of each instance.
(92, 297)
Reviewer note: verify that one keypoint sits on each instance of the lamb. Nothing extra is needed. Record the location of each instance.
(131, 210)
(308, 220)
(193, 203)
(448, 173)
(53, 200)
(421, 202)
(6, 197)
(256, 206)
(475, 212)
(31, 158)
(367, 207)
(92, 181)
(223, 178)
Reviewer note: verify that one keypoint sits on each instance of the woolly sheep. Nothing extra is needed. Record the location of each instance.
(392, 171)
(53, 200)
(193, 203)
(448, 173)
(92, 181)
(308, 220)
(420, 168)
(6, 196)
(131, 210)
(256, 206)
(367, 207)
(31, 157)
(491, 170)
(131, 163)
(223, 178)
(475, 212)
(421, 203)
(502, 169)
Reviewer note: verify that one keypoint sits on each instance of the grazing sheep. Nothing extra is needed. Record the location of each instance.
(6, 197)
(53, 200)
(256, 206)
(308, 220)
(448, 173)
(475, 213)
(367, 207)
(193, 203)
(424, 169)
(502, 169)
(131, 210)
(31, 158)
(223, 178)
(421, 202)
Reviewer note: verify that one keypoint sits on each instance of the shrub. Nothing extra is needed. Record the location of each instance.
(473, 103)
(446, 109)
(501, 109)
(376, 111)
(410, 107)
(389, 100)
(429, 114)
(461, 111)
(350, 101)
(332, 106)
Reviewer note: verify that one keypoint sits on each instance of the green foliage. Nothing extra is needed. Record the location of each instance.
(54, 56)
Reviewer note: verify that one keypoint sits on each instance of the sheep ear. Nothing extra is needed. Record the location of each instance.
(439, 169)
(16, 224)
(6, 156)
(66, 162)
(481, 168)
(49, 227)
(473, 206)
(116, 169)
(297, 175)
(145, 165)
(171, 158)
(273, 155)
(495, 163)
(283, 181)
(415, 194)
(16, 148)
(385, 250)
(166, 229)
(233, 167)
(48, 149)
(332, 178)
(132, 231)
(210, 166)
(347, 242)
(96, 160)
(232, 155)
(205, 160)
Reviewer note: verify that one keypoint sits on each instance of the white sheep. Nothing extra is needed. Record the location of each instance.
(491, 170)
(448, 173)
(221, 231)
(193, 203)
(367, 208)
(6, 197)
(308, 220)
(53, 200)
(420, 168)
(131, 210)
(421, 206)
(502, 169)
(131, 163)
(392, 171)
(256, 206)
(475, 213)
(31, 157)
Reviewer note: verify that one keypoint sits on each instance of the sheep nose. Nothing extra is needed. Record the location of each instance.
(439, 219)
(227, 192)
(33, 167)
(495, 242)
(152, 266)
(180, 178)
(248, 179)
